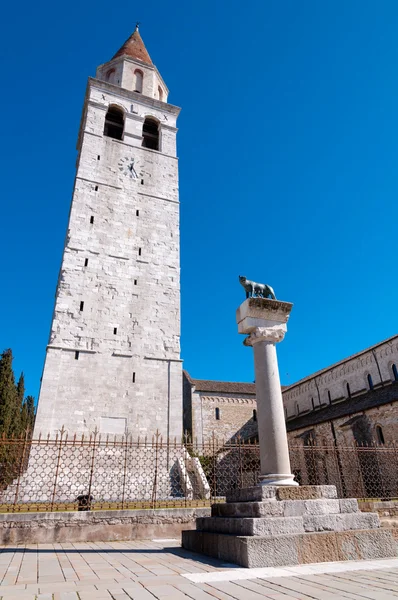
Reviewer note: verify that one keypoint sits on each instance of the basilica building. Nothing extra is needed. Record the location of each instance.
(352, 401)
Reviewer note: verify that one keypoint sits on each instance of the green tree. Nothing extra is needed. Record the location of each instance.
(18, 425)
(30, 403)
(28, 415)
(8, 394)
(21, 389)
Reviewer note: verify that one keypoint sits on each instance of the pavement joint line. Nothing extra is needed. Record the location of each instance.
(296, 571)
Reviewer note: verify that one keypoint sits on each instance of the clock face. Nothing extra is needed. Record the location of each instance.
(127, 167)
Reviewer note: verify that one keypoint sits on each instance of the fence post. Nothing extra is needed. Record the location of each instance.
(240, 461)
(155, 479)
(124, 471)
(90, 484)
(360, 474)
(21, 468)
(214, 477)
(62, 431)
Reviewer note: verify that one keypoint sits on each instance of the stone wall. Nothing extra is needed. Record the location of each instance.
(235, 416)
(97, 526)
(351, 421)
(344, 380)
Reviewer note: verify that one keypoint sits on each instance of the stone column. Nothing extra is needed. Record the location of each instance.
(265, 322)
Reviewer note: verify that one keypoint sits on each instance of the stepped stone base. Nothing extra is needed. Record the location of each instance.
(268, 526)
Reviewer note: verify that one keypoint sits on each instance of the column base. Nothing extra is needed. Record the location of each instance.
(277, 479)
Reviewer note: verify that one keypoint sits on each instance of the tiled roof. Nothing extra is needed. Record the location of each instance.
(347, 407)
(135, 48)
(341, 362)
(227, 387)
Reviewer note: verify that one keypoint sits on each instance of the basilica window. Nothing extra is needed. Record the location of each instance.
(395, 372)
(379, 434)
(370, 381)
(138, 81)
(150, 134)
(114, 123)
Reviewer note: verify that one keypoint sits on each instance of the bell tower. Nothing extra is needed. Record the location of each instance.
(113, 357)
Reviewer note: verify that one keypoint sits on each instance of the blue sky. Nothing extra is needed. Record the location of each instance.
(288, 166)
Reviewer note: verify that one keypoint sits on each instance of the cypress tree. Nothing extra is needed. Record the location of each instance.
(8, 394)
(28, 414)
(21, 389)
(18, 420)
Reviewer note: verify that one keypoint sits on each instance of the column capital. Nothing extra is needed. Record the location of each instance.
(273, 334)
(262, 313)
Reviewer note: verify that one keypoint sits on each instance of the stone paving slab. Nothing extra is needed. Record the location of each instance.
(162, 570)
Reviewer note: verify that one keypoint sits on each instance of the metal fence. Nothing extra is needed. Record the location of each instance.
(90, 473)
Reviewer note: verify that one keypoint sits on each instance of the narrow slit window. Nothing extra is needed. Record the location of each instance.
(96, 188)
(348, 390)
(81, 306)
(98, 157)
(142, 182)
(135, 282)
(254, 415)
(217, 414)
(91, 220)
(370, 381)
(137, 213)
(313, 403)
(329, 397)
(139, 251)
(86, 262)
(380, 435)
(133, 377)
(115, 330)
(395, 372)
(77, 355)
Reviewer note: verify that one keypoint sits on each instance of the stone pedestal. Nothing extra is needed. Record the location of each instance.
(269, 526)
(265, 323)
(277, 523)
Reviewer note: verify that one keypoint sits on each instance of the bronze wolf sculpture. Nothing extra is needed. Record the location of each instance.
(256, 290)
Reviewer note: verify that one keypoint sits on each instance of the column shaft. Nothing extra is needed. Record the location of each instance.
(274, 453)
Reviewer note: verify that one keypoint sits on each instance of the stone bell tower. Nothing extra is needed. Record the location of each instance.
(113, 357)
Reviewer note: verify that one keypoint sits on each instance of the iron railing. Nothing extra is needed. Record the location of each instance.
(90, 473)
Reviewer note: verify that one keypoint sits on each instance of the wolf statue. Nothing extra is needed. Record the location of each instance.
(256, 290)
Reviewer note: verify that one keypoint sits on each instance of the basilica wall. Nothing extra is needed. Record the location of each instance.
(218, 408)
(367, 370)
(320, 408)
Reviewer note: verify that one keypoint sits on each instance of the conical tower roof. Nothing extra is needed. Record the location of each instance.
(135, 48)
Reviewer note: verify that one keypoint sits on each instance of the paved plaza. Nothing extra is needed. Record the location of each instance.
(160, 569)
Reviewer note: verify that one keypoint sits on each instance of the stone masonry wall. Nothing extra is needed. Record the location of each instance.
(113, 359)
(97, 526)
(330, 385)
(236, 416)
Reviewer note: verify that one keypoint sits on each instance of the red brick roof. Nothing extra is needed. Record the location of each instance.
(135, 48)
(228, 387)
